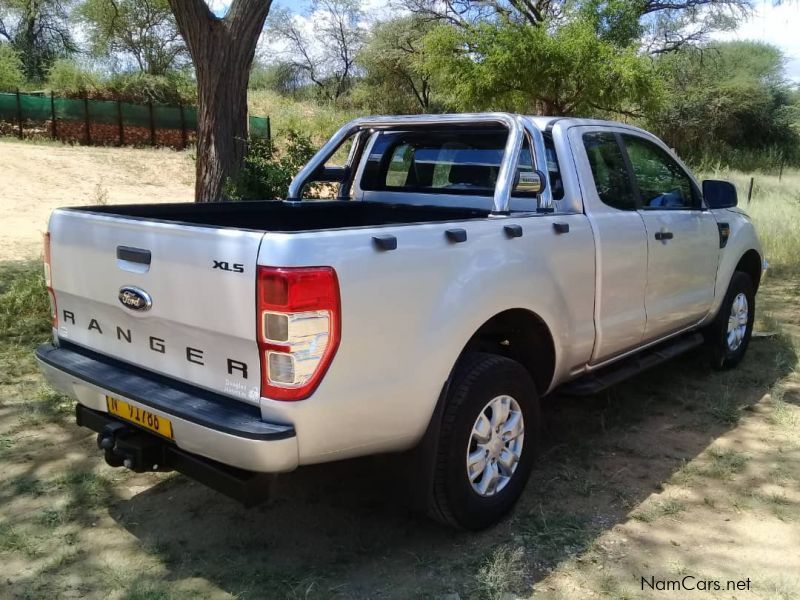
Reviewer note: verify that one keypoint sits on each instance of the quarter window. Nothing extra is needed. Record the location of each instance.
(611, 177)
(662, 183)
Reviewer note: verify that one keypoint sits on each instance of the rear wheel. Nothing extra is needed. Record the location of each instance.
(487, 442)
(728, 336)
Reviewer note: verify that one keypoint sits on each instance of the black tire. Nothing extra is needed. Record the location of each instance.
(719, 352)
(478, 379)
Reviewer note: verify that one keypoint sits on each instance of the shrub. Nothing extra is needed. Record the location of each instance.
(267, 173)
(139, 88)
(11, 76)
(67, 78)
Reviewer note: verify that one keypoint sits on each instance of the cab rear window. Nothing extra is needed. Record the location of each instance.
(452, 162)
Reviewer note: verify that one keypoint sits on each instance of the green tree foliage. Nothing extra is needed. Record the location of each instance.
(728, 102)
(393, 61)
(39, 31)
(267, 172)
(11, 76)
(67, 78)
(138, 33)
(661, 25)
(568, 70)
(283, 77)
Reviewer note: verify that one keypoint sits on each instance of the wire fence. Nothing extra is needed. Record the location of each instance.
(105, 122)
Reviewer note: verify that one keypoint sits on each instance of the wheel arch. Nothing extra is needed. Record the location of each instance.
(750, 264)
(521, 335)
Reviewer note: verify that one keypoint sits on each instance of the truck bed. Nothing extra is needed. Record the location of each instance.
(277, 216)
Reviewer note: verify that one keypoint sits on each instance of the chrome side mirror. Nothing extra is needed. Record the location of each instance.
(530, 182)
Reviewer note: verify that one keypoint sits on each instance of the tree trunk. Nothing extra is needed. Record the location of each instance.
(222, 50)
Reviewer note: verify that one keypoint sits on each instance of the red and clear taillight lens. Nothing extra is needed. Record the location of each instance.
(48, 281)
(299, 326)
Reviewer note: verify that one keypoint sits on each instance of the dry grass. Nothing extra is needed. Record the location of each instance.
(775, 209)
(308, 117)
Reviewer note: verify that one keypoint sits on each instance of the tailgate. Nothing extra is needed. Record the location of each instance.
(187, 311)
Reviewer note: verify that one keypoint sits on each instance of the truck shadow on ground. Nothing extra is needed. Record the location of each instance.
(345, 529)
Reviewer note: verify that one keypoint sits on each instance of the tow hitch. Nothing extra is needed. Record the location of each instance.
(128, 446)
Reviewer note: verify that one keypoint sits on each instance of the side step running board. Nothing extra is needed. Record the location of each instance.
(601, 379)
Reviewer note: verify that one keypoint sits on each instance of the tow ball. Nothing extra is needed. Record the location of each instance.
(127, 447)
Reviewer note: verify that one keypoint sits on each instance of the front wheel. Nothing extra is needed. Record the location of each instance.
(487, 441)
(728, 336)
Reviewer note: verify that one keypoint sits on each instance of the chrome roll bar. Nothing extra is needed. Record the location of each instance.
(518, 128)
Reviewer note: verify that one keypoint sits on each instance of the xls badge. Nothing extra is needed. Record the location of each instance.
(135, 298)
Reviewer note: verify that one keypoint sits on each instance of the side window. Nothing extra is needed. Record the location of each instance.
(609, 171)
(662, 183)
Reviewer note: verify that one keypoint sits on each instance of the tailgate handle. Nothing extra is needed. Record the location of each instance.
(135, 255)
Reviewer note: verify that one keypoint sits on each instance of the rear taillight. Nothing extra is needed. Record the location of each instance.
(299, 326)
(48, 281)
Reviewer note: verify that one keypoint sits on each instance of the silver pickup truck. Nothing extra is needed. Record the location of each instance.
(468, 266)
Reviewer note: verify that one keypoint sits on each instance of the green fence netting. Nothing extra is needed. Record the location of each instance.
(42, 108)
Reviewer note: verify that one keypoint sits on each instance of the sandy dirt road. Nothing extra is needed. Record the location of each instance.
(38, 178)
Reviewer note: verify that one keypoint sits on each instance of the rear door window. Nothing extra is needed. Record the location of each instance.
(610, 173)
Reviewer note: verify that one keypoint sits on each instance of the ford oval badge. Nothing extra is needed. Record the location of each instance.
(135, 298)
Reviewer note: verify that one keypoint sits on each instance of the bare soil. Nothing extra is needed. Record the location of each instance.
(40, 177)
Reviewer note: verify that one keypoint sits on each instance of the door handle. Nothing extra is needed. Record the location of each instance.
(663, 236)
(135, 255)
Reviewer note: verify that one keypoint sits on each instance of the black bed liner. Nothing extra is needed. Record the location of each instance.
(278, 216)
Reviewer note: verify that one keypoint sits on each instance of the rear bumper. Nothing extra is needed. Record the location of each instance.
(204, 423)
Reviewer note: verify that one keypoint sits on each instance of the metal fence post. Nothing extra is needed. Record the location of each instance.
(750, 191)
(87, 122)
(19, 114)
(184, 139)
(269, 132)
(120, 123)
(152, 124)
(53, 126)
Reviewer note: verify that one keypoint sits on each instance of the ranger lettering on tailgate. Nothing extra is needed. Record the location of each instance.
(157, 344)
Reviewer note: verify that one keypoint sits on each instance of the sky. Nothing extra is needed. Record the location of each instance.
(778, 25)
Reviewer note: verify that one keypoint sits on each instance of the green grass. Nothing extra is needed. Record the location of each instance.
(147, 590)
(661, 508)
(24, 318)
(12, 540)
(724, 464)
(551, 534)
(500, 573)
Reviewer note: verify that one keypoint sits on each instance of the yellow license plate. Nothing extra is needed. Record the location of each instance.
(141, 417)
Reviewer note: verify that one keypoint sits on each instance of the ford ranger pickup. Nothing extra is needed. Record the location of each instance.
(467, 266)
